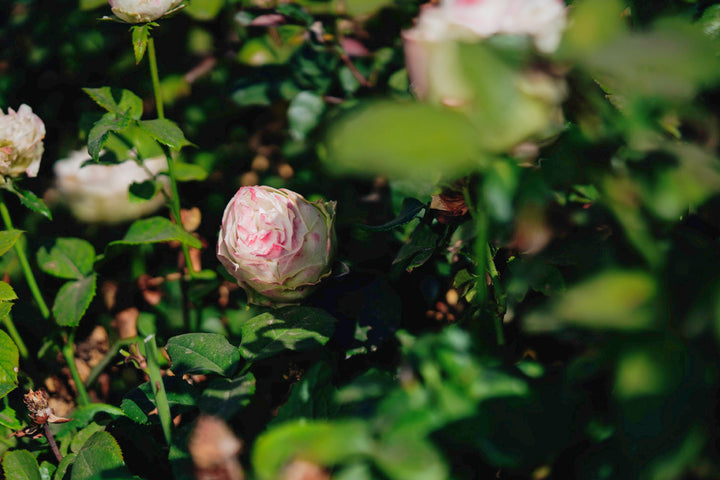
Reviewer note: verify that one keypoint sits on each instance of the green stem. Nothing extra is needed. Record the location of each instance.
(68, 352)
(158, 388)
(175, 196)
(499, 297)
(12, 331)
(24, 264)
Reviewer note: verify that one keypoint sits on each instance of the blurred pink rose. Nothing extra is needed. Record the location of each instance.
(142, 11)
(21, 146)
(276, 244)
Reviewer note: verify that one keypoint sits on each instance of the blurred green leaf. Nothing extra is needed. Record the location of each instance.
(409, 457)
(593, 23)
(8, 239)
(289, 328)
(403, 140)
(154, 230)
(9, 358)
(295, 12)
(20, 465)
(72, 300)
(6, 292)
(204, 9)
(202, 353)
(188, 172)
(69, 258)
(91, 4)
(46, 470)
(321, 443)
(304, 113)
(143, 191)
(418, 249)
(311, 398)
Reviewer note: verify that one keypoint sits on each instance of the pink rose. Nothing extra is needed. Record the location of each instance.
(276, 244)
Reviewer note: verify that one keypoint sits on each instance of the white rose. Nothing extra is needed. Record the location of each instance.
(21, 146)
(99, 193)
(142, 11)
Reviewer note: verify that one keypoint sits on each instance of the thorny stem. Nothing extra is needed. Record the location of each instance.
(52, 443)
(158, 388)
(69, 354)
(175, 196)
(25, 265)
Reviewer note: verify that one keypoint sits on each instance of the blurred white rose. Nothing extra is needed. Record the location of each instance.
(21, 146)
(99, 193)
(142, 11)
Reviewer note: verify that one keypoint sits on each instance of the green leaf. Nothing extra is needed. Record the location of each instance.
(91, 4)
(295, 12)
(204, 9)
(304, 113)
(140, 36)
(8, 239)
(202, 353)
(225, 397)
(410, 209)
(411, 458)
(612, 300)
(100, 457)
(72, 300)
(321, 443)
(290, 328)
(83, 416)
(166, 132)
(418, 249)
(46, 470)
(143, 191)
(154, 230)
(129, 103)
(5, 309)
(7, 293)
(29, 200)
(84, 435)
(69, 258)
(20, 465)
(99, 133)
(64, 464)
(9, 419)
(9, 359)
(138, 403)
(187, 172)
(403, 140)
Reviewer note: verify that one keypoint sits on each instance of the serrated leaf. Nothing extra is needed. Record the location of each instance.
(187, 172)
(140, 35)
(63, 466)
(202, 353)
(9, 419)
(100, 457)
(5, 309)
(20, 465)
(166, 132)
(29, 200)
(69, 258)
(411, 207)
(72, 300)
(7, 293)
(154, 230)
(224, 397)
(84, 435)
(290, 328)
(129, 103)
(9, 358)
(99, 133)
(8, 238)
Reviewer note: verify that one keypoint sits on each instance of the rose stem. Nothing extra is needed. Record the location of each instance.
(29, 277)
(51, 441)
(68, 352)
(175, 200)
(158, 388)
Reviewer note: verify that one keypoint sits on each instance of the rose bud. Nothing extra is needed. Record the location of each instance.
(142, 11)
(99, 193)
(21, 146)
(276, 244)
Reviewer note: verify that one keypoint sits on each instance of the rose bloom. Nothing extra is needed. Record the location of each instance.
(99, 193)
(276, 244)
(21, 146)
(142, 11)
(435, 65)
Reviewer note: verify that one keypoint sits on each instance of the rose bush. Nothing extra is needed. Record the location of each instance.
(21, 146)
(99, 193)
(277, 245)
(142, 11)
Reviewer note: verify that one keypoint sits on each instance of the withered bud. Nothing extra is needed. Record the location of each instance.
(214, 450)
(39, 408)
